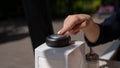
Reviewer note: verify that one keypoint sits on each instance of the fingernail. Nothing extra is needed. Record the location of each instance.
(59, 32)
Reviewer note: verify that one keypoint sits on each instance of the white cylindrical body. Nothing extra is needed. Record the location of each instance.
(72, 56)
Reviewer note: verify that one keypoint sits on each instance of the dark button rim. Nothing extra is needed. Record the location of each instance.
(61, 41)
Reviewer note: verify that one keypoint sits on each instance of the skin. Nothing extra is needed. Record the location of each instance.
(73, 24)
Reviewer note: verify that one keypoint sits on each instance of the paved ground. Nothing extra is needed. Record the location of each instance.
(15, 45)
(16, 51)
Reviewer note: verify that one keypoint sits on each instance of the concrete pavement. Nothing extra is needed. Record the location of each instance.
(15, 45)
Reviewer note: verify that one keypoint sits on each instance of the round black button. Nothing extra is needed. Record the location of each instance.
(56, 40)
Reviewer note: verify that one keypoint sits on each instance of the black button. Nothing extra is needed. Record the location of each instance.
(56, 40)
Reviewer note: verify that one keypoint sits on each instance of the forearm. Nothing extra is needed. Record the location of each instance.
(106, 31)
(92, 32)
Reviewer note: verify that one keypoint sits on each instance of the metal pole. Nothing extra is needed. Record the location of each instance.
(38, 19)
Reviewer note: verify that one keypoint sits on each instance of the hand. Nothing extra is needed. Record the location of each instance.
(74, 23)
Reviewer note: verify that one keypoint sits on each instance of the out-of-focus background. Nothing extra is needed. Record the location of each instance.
(24, 24)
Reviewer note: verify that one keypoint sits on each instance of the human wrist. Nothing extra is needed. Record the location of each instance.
(92, 31)
(90, 24)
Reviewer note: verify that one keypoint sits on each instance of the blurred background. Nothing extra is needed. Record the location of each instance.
(24, 25)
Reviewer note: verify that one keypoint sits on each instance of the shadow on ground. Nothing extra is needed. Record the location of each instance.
(13, 29)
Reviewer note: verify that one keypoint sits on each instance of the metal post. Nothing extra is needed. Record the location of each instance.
(38, 19)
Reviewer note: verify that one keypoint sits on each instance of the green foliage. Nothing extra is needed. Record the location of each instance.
(60, 8)
(57, 8)
(87, 6)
